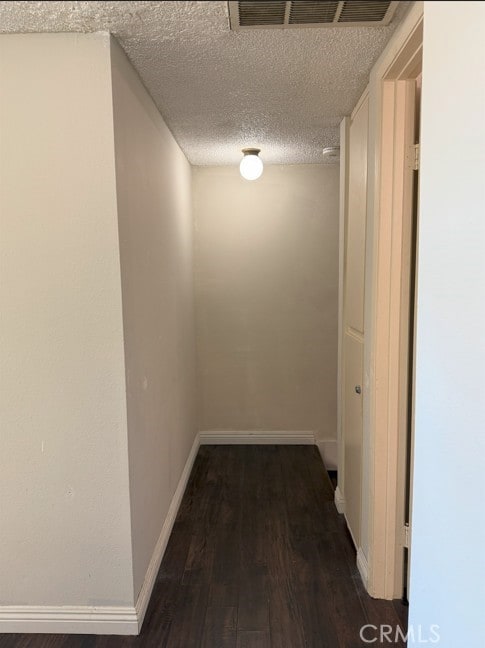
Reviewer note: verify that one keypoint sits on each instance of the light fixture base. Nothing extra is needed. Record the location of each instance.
(251, 151)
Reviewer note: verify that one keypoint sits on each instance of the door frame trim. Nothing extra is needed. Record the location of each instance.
(382, 345)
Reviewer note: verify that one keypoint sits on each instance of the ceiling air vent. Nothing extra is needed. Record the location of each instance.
(363, 12)
(302, 13)
(308, 13)
(261, 14)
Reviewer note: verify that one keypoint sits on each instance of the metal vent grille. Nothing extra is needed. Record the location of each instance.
(302, 13)
(261, 13)
(363, 11)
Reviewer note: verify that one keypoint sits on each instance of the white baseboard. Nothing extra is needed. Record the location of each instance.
(363, 566)
(328, 449)
(68, 619)
(154, 566)
(100, 620)
(349, 528)
(339, 500)
(256, 438)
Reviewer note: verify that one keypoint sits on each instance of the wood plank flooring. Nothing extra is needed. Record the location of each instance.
(258, 558)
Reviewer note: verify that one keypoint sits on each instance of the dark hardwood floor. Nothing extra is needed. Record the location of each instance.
(258, 558)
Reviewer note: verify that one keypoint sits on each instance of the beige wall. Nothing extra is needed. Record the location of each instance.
(65, 534)
(96, 246)
(266, 298)
(155, 230)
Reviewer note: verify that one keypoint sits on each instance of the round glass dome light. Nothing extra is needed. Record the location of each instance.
(251, 166)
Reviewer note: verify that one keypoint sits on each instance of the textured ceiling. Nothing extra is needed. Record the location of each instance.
(284, 91)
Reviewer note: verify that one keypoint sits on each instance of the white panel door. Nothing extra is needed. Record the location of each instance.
(356, 219)
(353, 317)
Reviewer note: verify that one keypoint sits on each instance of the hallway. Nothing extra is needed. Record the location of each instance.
(258, 558)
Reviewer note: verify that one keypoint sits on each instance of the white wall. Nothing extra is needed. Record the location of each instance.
(65, 524)
(155, 228)
(447, 559)
(267, 298)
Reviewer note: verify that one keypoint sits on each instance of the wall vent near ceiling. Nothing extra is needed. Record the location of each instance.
(302, 13)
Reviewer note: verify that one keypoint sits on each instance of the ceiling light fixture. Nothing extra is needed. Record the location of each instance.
(251, 166)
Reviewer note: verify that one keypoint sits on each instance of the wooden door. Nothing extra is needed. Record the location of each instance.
(353, 317)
